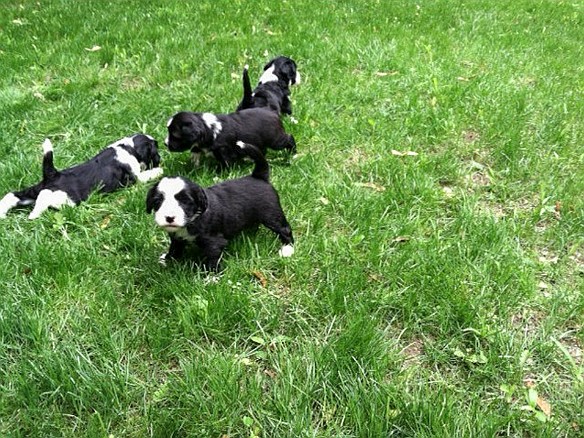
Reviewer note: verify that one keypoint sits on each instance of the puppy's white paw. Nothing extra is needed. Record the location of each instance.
(240, 144)
(212, 279)
(162, 259)
(286, 251)
(150, 174)
(157, 172)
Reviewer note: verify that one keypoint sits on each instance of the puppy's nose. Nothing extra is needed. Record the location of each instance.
(169, 219)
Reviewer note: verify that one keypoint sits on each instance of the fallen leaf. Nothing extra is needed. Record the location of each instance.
(401, 154)
(386, 73)
(105, 222)
(544, 406)
(370, 185)
(234, 76)
(270, 373)
(463, 79)
(401, 239)
(324, 200)
(448, 192)
(542, 285)
(18, 22)
(261, 278)
(93, 49)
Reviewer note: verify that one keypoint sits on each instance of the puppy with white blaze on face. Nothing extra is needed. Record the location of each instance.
(210, 217)
(273, 89)
(118, 165)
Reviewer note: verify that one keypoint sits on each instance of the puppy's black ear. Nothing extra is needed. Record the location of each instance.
(147, 150)
(151, 198)
(268, 65)
(197, 194)
(289, 70)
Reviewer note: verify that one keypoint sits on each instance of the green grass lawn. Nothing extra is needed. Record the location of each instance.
(435, 294)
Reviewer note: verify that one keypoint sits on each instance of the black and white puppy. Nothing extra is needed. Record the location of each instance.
(118, 165)
(273, 89)
(210, 217)
(217, 134)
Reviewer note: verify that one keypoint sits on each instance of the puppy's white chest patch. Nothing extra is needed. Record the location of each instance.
(213, 123)
(125, 157)
(268, 76)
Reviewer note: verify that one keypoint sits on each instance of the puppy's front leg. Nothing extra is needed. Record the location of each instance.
(176, 250)
(177, 247)
(150, 174)
(212, 248)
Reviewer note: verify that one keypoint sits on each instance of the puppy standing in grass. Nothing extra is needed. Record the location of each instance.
(211, 217)
(218, 134)
(273, 89)
(119, 165)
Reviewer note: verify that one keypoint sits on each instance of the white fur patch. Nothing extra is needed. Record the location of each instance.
(268, 75)
(213, 123)
(297, 78)
(166, 141)
(8, 202)
(170, 208)
(125, 157)
(150, 174)
(47, 146)
(286, 251)
(127, 141)
(48, 198)
(240, 144)
(169, 122)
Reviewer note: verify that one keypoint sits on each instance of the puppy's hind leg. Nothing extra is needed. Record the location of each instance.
(17, 199)
(48, 198)
(276, 221)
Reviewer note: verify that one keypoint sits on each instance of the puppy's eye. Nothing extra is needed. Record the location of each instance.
(183, 198)
(157, 202)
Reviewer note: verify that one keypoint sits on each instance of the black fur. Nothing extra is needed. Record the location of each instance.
(220, 212)
(257, 126)
(275, 94)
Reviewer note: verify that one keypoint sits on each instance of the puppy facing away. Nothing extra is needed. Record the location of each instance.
(218, 134)
(118, 165)
(273, 89)
(211, 217)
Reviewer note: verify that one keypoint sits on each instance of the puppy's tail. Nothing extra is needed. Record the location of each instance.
(247, 98)
(49, 170)
(262, 168)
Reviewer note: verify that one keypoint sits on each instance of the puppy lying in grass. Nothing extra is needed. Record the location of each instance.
(211, 217)
(118, 165)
